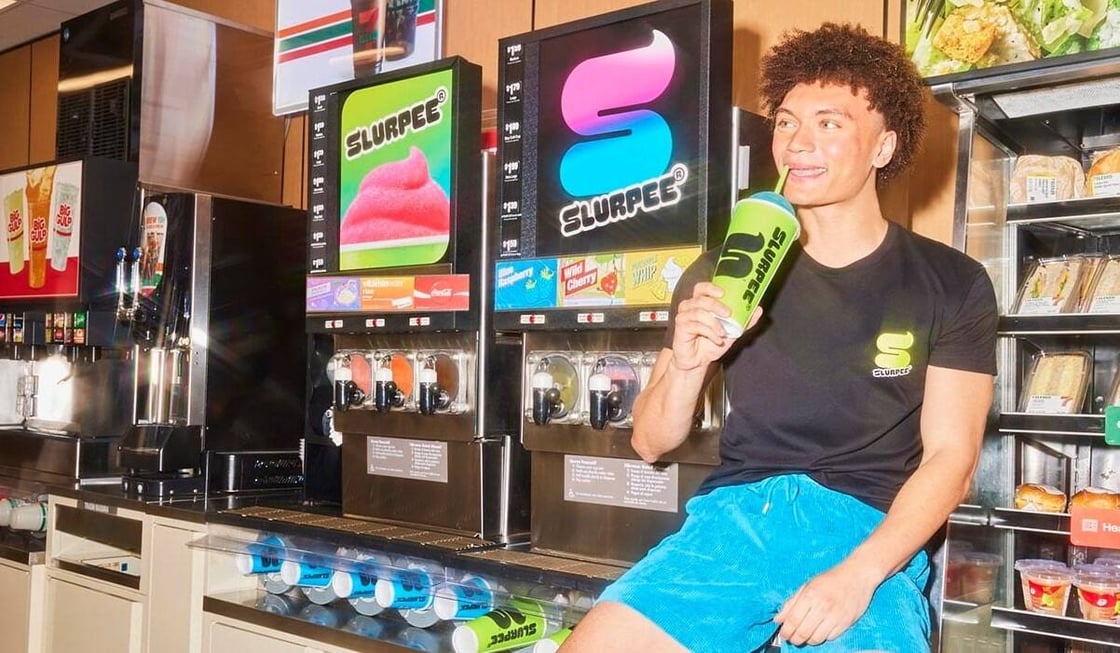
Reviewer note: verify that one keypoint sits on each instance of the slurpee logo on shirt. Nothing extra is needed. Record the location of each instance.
(625, 164)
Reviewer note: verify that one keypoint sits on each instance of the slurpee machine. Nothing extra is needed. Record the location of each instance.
(406, 374)
(614, 175)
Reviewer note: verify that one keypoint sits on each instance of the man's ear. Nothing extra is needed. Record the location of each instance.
(887, 144)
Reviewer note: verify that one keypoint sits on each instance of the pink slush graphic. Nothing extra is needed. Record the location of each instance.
(396, 200)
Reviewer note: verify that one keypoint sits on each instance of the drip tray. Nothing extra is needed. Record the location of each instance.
(380, 530)
(569, 566)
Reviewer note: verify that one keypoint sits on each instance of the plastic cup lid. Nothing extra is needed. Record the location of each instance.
(983, 559)
(773, 198)
(1097, 574)
(464, 640)
(384, 593)
(289, 572)
(1032, 563)
(342, 584)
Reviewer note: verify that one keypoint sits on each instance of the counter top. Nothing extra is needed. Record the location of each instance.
(286, 513)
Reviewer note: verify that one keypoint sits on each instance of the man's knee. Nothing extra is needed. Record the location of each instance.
(611, 627)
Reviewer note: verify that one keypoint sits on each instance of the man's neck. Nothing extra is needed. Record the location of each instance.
(841, 234)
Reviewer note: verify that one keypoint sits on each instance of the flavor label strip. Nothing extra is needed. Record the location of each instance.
(430, 293)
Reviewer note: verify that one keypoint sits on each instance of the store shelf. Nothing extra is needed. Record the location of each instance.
(333, 625)
(1076, 425)
(1093, 214)
(477, 555)
(971, 515)
(1063, 324)
(1034, 522)
(1054, 626)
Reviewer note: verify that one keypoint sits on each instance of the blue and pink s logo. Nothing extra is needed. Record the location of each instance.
(633, 145)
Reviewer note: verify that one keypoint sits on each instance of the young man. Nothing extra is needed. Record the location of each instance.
(857, 406)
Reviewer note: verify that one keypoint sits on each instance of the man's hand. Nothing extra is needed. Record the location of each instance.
(827, 605)
(698, 336)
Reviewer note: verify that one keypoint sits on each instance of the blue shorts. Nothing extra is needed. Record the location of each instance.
(716, 584)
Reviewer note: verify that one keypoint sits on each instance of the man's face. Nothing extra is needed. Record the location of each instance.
(832, 141)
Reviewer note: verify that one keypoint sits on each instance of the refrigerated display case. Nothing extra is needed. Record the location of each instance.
(1058, 355)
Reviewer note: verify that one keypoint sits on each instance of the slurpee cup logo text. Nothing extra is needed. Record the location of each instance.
(738, 263)
(625, 165)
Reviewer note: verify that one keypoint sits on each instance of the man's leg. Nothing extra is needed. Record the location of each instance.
(616, 628)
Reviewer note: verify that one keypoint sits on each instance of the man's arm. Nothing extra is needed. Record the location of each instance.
(954, 412)
(664, 409)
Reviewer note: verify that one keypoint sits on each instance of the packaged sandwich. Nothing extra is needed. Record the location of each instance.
(1053, 286)
(1056, 384)
(1104, 296)
(1103, 179)
(1037, 178)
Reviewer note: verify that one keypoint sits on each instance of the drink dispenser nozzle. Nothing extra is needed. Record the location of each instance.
(546, 397)
(432, 396)
(386, 394)
(606, 403)
(346, 392)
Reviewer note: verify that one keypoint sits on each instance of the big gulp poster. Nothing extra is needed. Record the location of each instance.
(395, 173)
(42, 211)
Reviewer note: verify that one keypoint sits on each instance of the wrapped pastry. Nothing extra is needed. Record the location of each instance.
(1103, 179)
(1039, 498)
(1038, 178)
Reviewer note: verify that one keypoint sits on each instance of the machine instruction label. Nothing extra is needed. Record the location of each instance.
(621, 483)
(421, 460)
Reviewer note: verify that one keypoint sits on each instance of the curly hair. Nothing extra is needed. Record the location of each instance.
(848, 55)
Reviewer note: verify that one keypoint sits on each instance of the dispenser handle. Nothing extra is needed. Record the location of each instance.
(134, 278)
(120, 285)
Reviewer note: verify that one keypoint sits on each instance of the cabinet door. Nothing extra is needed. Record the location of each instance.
(15, 587)
(174, 616)
(225, 639)
(82, 619)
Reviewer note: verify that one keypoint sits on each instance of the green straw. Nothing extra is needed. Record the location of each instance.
(781, 179)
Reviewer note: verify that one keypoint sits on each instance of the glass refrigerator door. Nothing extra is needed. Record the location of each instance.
(1046, 232)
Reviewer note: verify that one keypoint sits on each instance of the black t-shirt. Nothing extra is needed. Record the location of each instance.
(830, 384)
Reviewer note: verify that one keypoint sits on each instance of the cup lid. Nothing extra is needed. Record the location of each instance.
(983, 559)
(1032, 563)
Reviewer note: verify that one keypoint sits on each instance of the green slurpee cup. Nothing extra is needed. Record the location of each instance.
(763, 229)
(520, 623)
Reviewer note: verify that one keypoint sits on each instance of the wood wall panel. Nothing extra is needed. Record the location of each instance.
(294, 191)
(15, 106)
(256, 13)
(760, 25)
(554, 12)
(44, 99)
(933, 187)
(472, 29)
